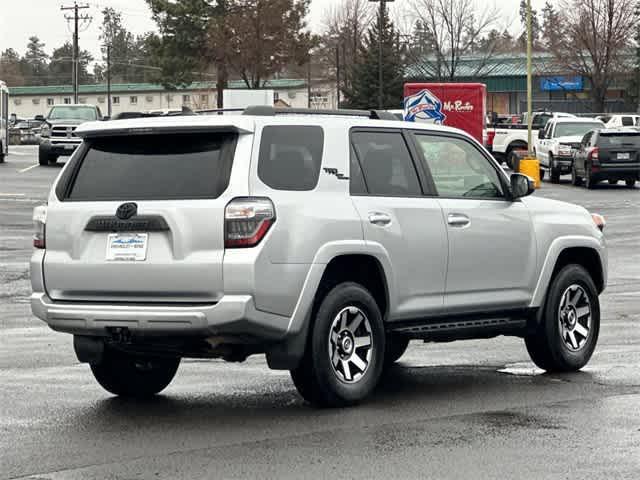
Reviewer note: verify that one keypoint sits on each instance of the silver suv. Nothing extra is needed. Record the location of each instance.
(326, 241)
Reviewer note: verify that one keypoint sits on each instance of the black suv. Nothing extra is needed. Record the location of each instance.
(607, 154)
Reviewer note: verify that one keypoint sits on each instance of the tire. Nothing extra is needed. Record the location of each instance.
(575, 179)
(43, 157)
(612, 181)
(630, 182)
(541, 174)
(554, 174)
(134, 376)
(553, 346)
(512, 159)
(336, 320)
(2, 155)
(396, 345)
(589, 181)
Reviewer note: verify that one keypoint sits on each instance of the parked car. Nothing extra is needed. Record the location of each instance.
(556, 142)
(625, 120)
(504, 140)
(607, 154)
(27, 131)
(57, 135)
(325, 239)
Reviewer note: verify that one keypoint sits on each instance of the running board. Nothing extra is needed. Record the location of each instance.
(445, 330)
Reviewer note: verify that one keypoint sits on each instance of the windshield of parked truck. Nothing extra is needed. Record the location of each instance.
(577, 129)
(72, 113)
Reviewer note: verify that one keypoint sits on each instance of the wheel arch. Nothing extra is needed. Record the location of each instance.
(588, 252)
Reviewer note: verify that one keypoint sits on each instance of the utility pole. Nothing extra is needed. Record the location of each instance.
(529, 82)
(109, 81)
(309, 81)
(380, 34)
(338, 75)
(76, 53)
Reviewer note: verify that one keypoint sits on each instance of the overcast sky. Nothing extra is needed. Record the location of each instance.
(21, 19)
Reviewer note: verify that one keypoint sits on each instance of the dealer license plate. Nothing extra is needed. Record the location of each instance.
(127, 247)
(69, 147)
(623, 156)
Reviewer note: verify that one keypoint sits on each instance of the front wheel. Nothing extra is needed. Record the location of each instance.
(612, 181)
(134, 376)
(630, 182)
(568, 333)
(554, 173)
(344, 356)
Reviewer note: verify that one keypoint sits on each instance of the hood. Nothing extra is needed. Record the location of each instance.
(572, 139)
(65, 122)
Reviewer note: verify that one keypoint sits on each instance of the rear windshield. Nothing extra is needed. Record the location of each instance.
(155, 167)
(620, 140)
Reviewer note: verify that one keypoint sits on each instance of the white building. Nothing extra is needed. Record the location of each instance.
(27, 102)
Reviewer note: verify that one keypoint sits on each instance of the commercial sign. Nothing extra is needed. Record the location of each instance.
(556, 84)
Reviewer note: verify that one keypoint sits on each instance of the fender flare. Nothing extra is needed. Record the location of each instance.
(553, 253)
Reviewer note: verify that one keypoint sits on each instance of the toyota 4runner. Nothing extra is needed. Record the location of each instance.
(326, 241)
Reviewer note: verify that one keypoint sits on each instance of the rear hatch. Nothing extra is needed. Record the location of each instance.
(619, 147)
(140, 218)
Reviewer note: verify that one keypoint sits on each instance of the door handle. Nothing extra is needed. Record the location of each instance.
(458, 220)
(379, 219)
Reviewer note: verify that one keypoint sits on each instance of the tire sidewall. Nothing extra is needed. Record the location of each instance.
(343, 295)
(569, 360)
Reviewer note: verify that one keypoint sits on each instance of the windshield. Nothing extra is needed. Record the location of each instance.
(575, 129)
(72, 113)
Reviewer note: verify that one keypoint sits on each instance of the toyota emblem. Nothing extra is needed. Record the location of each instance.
(126, 211)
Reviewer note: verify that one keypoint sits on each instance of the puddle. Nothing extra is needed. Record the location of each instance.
(522, 370)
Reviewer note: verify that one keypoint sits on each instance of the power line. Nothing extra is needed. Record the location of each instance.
(76, 56)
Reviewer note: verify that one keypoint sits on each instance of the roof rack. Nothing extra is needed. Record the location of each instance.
(266, 111)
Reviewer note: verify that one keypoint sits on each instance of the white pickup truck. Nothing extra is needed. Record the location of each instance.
(556, 143)
(505, 140)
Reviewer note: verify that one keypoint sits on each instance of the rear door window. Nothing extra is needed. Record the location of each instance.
(386, 164)
(290, 156)
(154, 167)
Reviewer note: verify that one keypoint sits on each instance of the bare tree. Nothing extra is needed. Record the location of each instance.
(344, 28)
(597, 37)
(455, 27)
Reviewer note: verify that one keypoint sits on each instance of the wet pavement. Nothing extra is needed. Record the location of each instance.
(474, 409)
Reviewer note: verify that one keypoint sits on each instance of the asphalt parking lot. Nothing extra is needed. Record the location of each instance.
(475, 409)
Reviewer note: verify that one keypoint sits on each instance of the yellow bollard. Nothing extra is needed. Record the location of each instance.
(531, 167)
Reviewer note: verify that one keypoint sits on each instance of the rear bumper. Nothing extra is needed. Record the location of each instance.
(234, 315)
(619, 169)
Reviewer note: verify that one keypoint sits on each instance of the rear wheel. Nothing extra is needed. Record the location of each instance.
(568, 333)
(512, 159)
(575, 179)
(612, 181)
(344, 356)
(630, 182)
(589, 181)
(541, 174)
(134, 376)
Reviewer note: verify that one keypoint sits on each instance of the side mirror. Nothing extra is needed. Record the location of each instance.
(541, 134)
(521, 185)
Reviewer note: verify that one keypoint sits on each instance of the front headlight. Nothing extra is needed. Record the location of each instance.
(45, 131)
(564, 149)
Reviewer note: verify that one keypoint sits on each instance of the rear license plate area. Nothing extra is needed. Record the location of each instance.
(127, 247)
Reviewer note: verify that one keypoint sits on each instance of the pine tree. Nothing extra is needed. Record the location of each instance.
(364, 84)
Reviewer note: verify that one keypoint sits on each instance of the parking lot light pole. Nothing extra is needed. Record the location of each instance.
(529, 82)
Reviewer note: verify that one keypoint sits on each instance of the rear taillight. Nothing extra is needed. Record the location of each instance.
(246, 221)
(594, 153)
(39, 226)
(491, 134)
